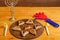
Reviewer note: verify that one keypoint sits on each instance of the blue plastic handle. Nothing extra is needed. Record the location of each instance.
(52, 23)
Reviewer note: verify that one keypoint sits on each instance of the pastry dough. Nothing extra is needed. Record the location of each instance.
(29, 21)
(20, 23)
(33, 31)
(16, 28)
(24, 33)
(37, 27)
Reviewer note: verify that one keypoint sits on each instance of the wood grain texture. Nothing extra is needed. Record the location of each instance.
(34, 3)
(27, 12)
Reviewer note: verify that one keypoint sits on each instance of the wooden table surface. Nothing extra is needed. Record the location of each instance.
(27, 12)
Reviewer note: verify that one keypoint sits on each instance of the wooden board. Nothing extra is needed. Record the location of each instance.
(27, 12)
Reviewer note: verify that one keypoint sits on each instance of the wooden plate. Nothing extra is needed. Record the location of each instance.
(29, 36)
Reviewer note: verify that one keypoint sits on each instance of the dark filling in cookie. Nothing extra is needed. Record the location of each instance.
(26, 27)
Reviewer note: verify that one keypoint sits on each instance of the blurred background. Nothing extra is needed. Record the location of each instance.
(35, 3)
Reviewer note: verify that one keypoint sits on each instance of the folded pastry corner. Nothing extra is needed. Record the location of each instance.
(16, 28)
(30, 21)
(20, 23)
(27, 28)
(33, 31)
(37, 27)
(24, 33)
